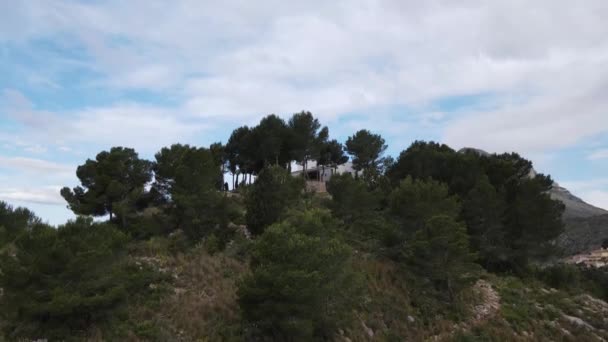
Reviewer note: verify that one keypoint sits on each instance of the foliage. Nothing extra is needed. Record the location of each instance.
(274, 191)
(14, 221)
(62, 281)
(302, 283)
(307, 137)
(332, 154)
(417, 224)
(511, 218)
(361, 210)
(416, 201)
(440, 252)
(111, 184)
(238, 152)
(484, 210)
(351, 198)
(423, 160)
(272, 138)
(576, 279)
(220, 158)
(366, 149)
(187, 177)
(533, 220)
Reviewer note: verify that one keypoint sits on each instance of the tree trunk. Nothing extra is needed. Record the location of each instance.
(450, 291)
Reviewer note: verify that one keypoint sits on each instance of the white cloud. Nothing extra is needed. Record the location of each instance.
(31, 165)
(598, 154)
(241, 59)
(37, 149)
(44, 195)
(146, 128)
(142, 127)
(538, 69)
(560, 117)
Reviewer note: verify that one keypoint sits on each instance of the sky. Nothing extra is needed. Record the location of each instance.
(78, 77)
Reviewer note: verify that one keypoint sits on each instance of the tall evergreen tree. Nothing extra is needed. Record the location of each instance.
(14, 221)
(331, 154)
(366, 150)
(274, 191)
(62, 281)
(218, 151)
(532, 221)
(302, 286)
(188, 177)
(416, 201)
(440, 252)
(307, 137)
(484, 212)
(112, 181)
(272, 133)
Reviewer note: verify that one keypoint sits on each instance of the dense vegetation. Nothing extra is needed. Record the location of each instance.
(397, 251)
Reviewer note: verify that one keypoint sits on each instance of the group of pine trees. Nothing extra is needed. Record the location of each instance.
(442, 215)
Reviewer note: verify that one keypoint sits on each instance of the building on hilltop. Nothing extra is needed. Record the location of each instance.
(318, 175)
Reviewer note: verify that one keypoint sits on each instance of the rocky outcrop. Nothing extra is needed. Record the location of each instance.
(575, 207)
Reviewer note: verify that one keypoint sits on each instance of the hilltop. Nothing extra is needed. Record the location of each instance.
(432, 245)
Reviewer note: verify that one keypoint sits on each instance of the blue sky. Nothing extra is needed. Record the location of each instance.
(78, 77)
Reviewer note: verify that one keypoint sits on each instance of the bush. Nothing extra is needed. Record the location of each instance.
(274, 191)
(440, 253)
(303, 285)
(62, 281)
(561, 276)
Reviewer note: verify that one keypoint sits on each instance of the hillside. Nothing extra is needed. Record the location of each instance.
(575, 207)
(436, 245)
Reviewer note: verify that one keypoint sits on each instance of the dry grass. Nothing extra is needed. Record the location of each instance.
(385, 313)
(200, 304)
(203, 305)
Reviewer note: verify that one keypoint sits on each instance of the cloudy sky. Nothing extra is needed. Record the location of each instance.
(78, 77)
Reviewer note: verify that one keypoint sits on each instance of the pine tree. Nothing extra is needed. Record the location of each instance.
(302, 285)
(440, 253)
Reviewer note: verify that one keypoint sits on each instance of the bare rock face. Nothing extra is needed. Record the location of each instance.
(575, 207)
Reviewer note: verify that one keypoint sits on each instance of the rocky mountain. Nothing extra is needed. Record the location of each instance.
(586, 225)
(575, 207)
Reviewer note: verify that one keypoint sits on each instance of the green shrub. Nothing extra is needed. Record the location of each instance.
(302, 286)
(62, 281)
